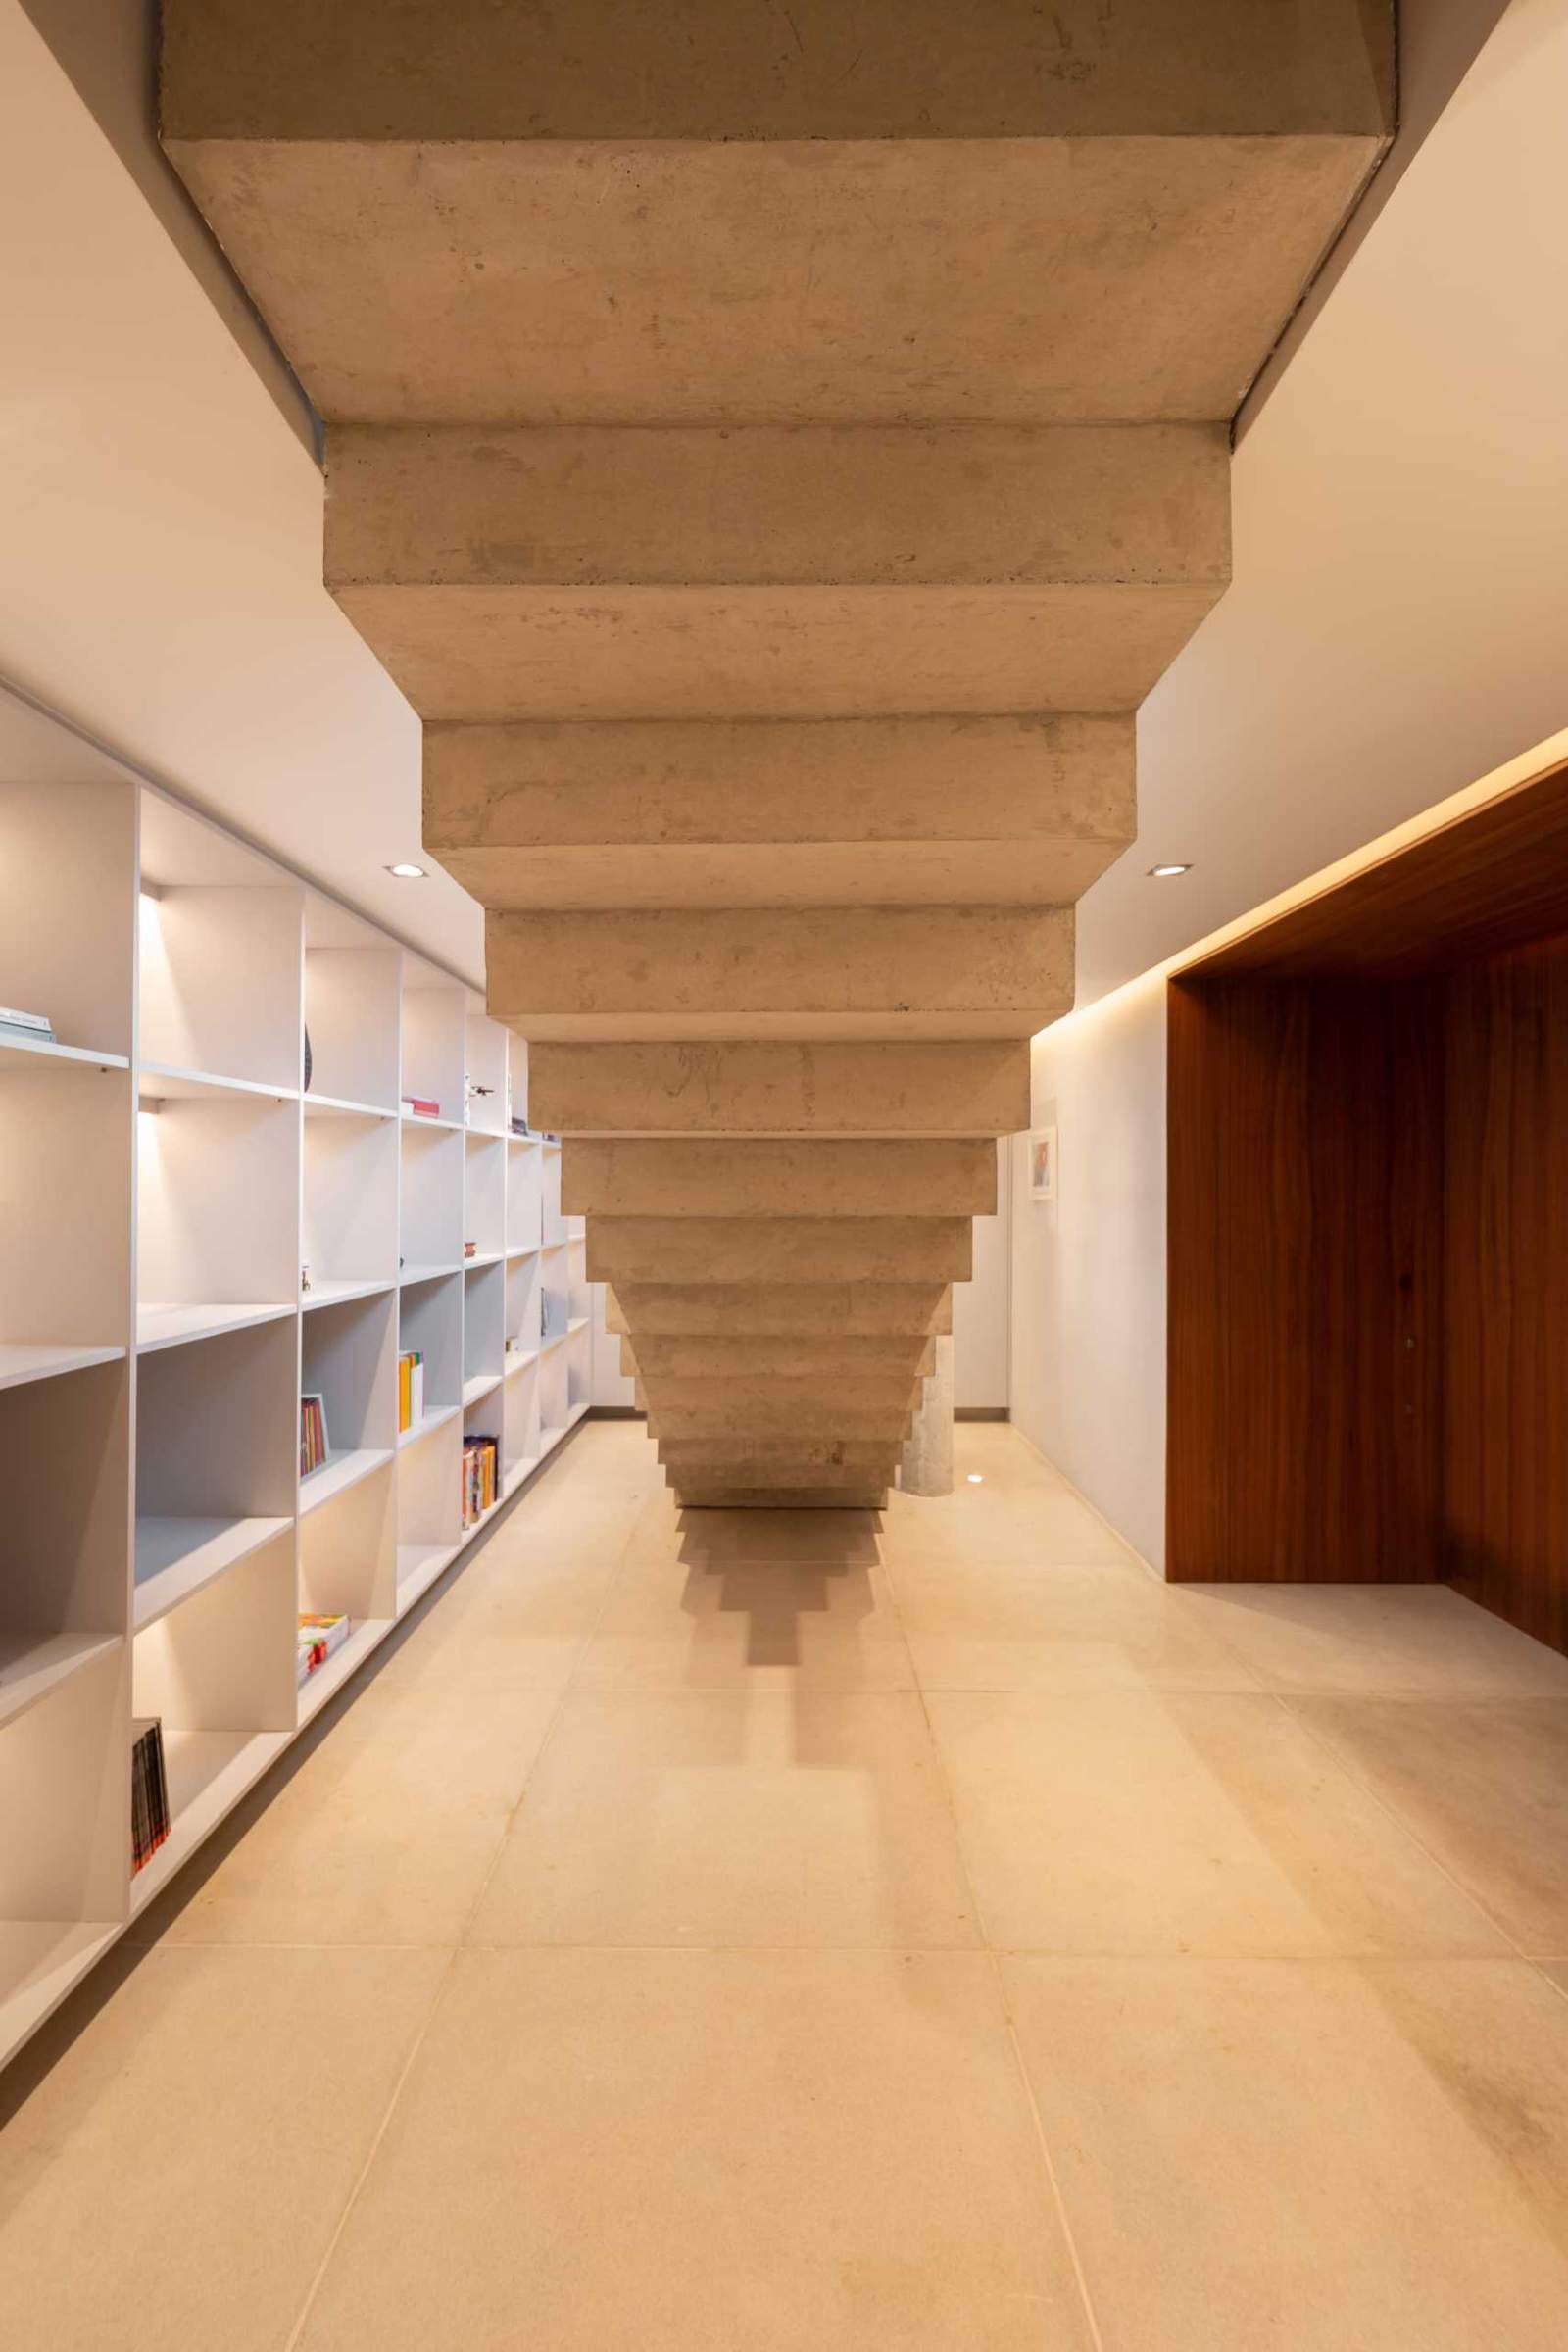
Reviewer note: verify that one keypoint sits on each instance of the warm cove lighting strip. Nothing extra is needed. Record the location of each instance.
(1513, 774)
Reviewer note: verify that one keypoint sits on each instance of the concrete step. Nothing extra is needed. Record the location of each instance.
(779, 1250)
(693, 1495)
(793, 972)
(780, 813)
(778, 1087)
(702, 1176)
(762, 1309)
(612, 211)
(798, 571)
(835, 1355)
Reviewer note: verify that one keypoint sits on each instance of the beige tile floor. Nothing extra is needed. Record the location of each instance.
(816, 1934)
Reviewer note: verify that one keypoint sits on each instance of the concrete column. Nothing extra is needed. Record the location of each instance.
(927, 1464)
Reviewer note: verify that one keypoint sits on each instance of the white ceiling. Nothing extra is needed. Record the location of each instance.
(161, 548)
(1397, 624)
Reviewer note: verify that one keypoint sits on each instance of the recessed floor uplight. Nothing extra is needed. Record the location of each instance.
(1156, 873)
(407, 873)
(975, 1478)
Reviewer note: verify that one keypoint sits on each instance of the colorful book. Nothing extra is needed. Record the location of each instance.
(149, 1791)
(319, 1638)
(421, 1106)
(410, 1388)
(313, 1434)
(481, 1477)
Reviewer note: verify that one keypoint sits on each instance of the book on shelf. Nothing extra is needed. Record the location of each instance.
(319, 1638)
(149, 1791)
(520, 1126)
(421, 1106)
(33, 1027)
(313, 1446)
(410, 1388)
(481, 1477)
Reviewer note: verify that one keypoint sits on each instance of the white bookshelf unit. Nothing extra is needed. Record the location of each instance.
(193, 1238)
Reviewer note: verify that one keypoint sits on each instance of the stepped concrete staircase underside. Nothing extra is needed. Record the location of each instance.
(775, 450)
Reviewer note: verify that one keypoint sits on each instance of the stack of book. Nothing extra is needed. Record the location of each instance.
(149, 1792)
(410, 1388)
(313, 1434)
(481, 1477)
(318, 1637)
(32, 1028)
(520, 1125)
(421, 1106)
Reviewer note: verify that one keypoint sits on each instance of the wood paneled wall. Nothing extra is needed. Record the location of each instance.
(1505, 1265)
(1305, 1267)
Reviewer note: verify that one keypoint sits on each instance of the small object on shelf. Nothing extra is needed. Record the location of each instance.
(421, 1106)
(35, 1028)
(410, 1388)
(319, 1638)
(307, 1063)
(520, 1126)
(471, 1249)
(313, 1446)
(305, 1279)
(481, 1473)
(149, 1791)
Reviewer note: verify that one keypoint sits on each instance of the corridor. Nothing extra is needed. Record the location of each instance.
(805, 1933)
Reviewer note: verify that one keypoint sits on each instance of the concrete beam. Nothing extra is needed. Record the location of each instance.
(690, 1494)
(887, 1087)
(780, 813)
(771, 1250)
(747, 1177)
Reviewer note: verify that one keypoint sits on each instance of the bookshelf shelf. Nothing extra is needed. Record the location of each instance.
(41, 1961)
(338, 1472)
(157, 1083)
(171, 1325)
(331, 1107)
(21, 1055)
(419, 1567)
(177, 1557)
(21, 1362)
(171, 1170)
(333, 1294)
(436, 1418)
(207, 1774)
(33, 1665)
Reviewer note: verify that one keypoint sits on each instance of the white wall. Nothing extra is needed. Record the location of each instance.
(1088, 1378)
(982, 1306)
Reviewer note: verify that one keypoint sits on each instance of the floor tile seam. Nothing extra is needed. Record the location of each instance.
(1407, 1828)
(357, 2185)
(1056, 2202)
(446, 1978)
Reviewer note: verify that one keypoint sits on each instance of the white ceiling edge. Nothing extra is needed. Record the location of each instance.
(160, 564)
(1397, 624)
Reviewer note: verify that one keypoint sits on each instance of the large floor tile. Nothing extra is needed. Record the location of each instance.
(174, 2181)
(1413, 1640)
(1121, 1822)
(1483, 1784)
(1314, 2156)
(733, 1818)
(386, 1833)
(512, 1625)
(707, 2152)
(974, 1625)
(715, 1625)
(1023, 1527)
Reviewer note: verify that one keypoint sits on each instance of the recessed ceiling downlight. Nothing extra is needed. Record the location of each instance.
(406, 872)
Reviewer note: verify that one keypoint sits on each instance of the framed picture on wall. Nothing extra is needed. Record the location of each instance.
(1042, 1164)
